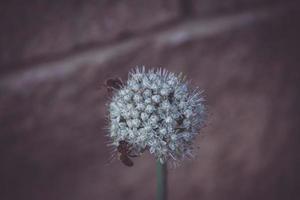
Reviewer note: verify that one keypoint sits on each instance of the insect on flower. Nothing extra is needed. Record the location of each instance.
(113, 84)
(124, 150)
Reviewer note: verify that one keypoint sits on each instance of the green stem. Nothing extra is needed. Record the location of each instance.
(161, 173)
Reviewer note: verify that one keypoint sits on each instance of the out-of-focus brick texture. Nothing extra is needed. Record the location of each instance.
(55, 56)
(45, 28)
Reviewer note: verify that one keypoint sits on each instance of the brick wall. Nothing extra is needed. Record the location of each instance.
(55, 56)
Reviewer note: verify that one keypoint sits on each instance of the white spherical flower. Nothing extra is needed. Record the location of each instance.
(169, 120)
(129, 106)
(156, 110)
(188, 113)
(146, 83)
(144, 116)
(125, 115)
(186, 123)
(136, 123)
(156, 98)
(140, 106)
(135, 87)
(127, 97)
(172, 146)
(147, 93)
(122, 92)
(135, 114)
(154, 119)
(154, 87)
(171, 82)
(173, 137)
(147, 128)
(148, 100)
(150, 109)
(163, 131)
(165, 91)
(129, 123)
(165, 105)
(137, 98)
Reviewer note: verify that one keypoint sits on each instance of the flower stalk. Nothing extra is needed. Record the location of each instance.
(162, 181)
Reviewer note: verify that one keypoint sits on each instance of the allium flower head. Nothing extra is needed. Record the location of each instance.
(155, 110)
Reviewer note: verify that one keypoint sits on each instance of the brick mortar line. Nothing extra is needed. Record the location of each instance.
(87, 46)
(189, 30)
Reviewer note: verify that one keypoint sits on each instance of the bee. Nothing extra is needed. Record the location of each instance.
(112, 84)
(179, 123)
(124, 150)
(180, 120)
(170, 97)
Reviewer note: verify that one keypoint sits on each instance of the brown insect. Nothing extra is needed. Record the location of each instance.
(124, 150)
(179, 123)
(112, 84)
(170, 97)
(180, 120)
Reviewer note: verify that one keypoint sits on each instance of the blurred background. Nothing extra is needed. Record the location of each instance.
(55, 56)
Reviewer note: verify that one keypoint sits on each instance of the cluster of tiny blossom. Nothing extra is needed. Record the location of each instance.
(156, 111)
